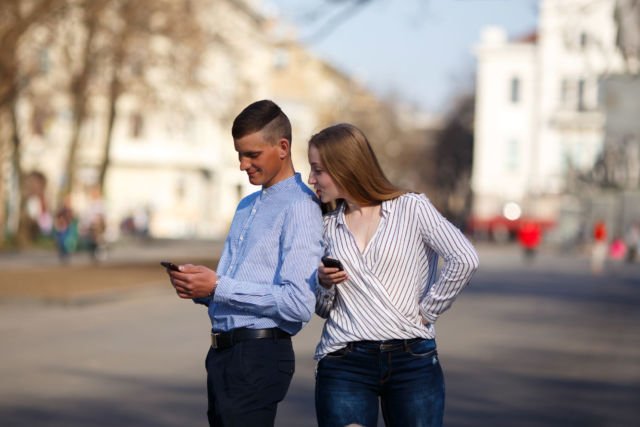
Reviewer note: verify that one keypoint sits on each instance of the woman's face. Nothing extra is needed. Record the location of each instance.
(326, 189)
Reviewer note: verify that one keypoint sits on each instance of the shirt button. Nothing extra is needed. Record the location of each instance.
(241, 238)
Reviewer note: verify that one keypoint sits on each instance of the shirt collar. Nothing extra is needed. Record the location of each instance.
(282, 186)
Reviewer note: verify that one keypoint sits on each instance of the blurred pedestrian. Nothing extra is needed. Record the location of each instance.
(617, 249)
(378, 343)
(65, 230)
(529, 236)
(93, 225)
(262, 291)
(599, 248)
(632, 238)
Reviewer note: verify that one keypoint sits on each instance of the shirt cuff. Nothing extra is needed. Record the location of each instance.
(326, 293)
(223, 292)
(429, 317)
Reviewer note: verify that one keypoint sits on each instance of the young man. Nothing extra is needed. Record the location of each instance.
(262, 292)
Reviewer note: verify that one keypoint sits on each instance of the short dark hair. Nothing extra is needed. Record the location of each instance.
(266, 116)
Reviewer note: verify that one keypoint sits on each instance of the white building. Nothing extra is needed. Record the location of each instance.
(537, 110)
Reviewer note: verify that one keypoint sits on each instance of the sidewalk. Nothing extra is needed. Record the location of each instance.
(38, 276)
(121, 252)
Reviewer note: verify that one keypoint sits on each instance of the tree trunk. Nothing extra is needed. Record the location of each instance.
(79, 86)
(23, 235)
(114, 94)
(3, 189)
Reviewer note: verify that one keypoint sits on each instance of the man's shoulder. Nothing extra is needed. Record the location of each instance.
(298, 195)
(248, 200)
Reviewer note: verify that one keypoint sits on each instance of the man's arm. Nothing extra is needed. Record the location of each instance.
(292, 299)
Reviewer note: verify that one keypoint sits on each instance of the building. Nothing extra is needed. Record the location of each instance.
(538, 117)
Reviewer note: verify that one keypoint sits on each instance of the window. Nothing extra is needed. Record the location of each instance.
(39, 118)
(564, 92)
(280, 59)
(583, 40)
(581, 89)
(44, 61)
(515, 90)
(512, 159)
(239, 192)
(136, 125)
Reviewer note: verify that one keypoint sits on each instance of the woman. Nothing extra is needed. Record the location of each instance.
(378, 343)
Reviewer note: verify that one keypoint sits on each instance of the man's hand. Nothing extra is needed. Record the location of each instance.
(193, 281)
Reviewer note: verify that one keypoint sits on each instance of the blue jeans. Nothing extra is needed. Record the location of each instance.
(403, 376)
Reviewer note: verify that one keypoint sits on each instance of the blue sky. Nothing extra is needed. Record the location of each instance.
(418, 49)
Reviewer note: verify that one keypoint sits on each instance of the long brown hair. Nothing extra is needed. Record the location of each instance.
(349, 159)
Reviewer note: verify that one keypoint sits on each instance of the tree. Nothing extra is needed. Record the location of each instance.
(454, 154)
(92, 16)
(17, 19)
(133, 28)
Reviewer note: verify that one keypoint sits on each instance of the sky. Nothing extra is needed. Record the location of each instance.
(421, 51)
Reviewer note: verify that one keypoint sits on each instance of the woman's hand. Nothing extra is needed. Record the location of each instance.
(329, 276)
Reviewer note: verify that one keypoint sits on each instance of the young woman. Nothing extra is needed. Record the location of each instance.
(378, 343)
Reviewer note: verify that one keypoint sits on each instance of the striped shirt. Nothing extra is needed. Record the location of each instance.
(268, 265)
(393, 287)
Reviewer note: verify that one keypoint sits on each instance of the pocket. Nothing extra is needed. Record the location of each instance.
(287, 366)
(423, 348)
(339, 353)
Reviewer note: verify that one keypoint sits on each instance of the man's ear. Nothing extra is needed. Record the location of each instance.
(284, 147)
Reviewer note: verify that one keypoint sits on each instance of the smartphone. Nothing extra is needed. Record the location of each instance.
(169, 265)
(332, 262)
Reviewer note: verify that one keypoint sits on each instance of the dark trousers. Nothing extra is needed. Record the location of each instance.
(245, 382)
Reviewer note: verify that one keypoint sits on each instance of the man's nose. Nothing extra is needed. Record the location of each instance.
(244, 164)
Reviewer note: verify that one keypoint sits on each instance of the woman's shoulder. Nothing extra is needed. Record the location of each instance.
(411, 199)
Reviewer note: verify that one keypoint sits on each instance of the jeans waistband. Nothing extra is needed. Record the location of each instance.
(383, 346)
(222, 340)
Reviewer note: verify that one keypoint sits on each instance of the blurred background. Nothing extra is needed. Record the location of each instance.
(518, 118)
(115, 115)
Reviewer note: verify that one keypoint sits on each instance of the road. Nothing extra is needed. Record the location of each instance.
(545, 344)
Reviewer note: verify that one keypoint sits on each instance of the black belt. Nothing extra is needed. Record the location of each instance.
(383, 346)
(222, 340)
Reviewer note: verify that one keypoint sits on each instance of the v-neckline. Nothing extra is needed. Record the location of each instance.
(367, 244)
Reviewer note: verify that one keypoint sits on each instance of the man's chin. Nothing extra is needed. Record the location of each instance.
(255, 180)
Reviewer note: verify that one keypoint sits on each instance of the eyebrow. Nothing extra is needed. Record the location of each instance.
(248, 153)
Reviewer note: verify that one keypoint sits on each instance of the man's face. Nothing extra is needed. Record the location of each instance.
(263, 162)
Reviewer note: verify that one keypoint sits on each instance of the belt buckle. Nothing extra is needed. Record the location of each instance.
(214, 340)
(388, 346)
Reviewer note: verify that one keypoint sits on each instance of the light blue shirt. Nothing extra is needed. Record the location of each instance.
(268, 265)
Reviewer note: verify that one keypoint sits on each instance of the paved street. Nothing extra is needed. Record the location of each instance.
(544, 344)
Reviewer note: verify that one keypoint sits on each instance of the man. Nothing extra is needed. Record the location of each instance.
(262, 292)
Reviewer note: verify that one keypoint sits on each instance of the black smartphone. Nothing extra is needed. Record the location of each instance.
(332, 262)
(169, 265)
